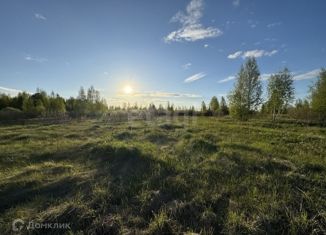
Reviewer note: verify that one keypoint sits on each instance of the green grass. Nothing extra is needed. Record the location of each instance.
(202, 175)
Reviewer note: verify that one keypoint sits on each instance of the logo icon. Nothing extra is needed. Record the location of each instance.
(17, 225)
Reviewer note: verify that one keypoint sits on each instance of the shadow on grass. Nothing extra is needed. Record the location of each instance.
(134, 184)
(243, 147)
(13, 194)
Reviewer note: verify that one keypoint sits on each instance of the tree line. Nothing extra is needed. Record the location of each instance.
(215, 108)
(41, 104)
(246, 100)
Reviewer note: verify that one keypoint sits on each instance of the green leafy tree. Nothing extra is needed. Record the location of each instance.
(81, 94)
(318, 97)
(81, 103)
(246, 95)
(280, 92)
(224, 109)
(57, 106)
(170, 108)
(203, 108)
(214, 105)
(39, 109)
(28, 106)
(301, 110)
(17, 101)
(4, 101)
(91, 94)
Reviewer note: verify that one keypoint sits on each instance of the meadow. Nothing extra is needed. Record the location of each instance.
(202, 175)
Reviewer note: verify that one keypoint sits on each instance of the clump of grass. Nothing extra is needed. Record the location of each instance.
(124, 135)
(161, 224)
(170, 126)
(202, 146)
(158, 138)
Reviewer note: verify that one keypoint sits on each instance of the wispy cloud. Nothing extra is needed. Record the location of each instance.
(191, 29)
(236, 3)
(158, 94)
(161, 94)
(308, 75)
(251, 53)
(195, 77)
(206, 45)
(258, 53)
(235, 55)
(186, 66)
(35, 59)
(274, 24)
(263, 77)
(229, 78)
(253, 23)
(9, 91)
(39, 16)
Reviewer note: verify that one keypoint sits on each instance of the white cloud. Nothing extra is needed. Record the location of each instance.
(271, 25)
(236, 3)
(39, 16)
(191, 29)
(252, 53)
(229, 78)
(9, 91)
(235, 55)
(195, 77)
(206, 45)
(161, 94)
(186, 66)
(258, 53)
(308, 75)
(253, 23)
(265, 76)
(270, 53)
(35, 59)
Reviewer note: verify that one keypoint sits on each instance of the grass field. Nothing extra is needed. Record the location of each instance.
(202, 175)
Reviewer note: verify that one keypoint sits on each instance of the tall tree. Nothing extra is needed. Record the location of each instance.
(81, 103)
(91, 95)
(81, 94)
(203, 108)
(246, 95)
(17, 101)
(280, 92)
(224, 110)
(214, 105)
(318, 97)
(4, 101)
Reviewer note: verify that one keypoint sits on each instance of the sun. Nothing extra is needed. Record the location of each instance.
(128, 90)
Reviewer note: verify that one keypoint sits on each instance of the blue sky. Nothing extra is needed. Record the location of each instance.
(184, 51)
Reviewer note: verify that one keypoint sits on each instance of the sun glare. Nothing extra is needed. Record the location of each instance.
(127, 90)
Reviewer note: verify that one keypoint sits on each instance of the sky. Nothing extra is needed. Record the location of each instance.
(147, 51)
